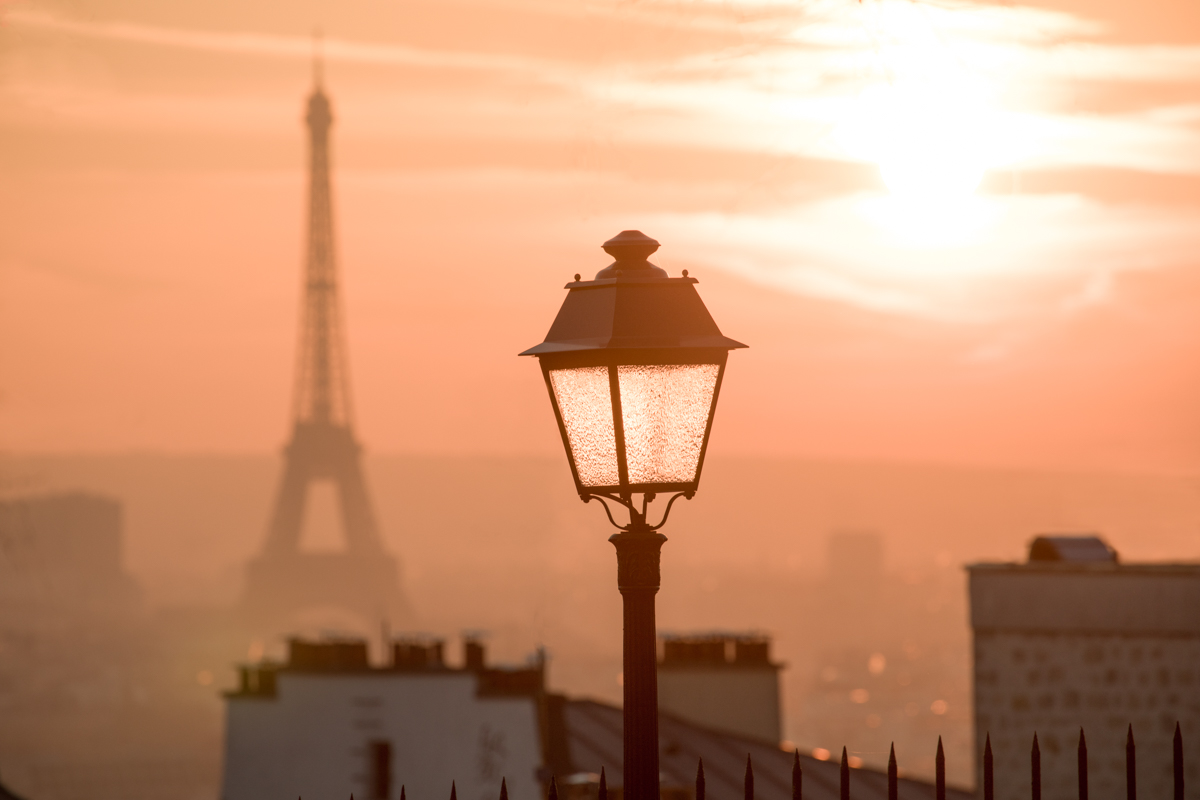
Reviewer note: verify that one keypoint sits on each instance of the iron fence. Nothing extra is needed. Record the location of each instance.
(893, 774)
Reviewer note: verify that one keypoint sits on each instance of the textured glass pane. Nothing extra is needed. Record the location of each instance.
(586, 405)
(665, 409)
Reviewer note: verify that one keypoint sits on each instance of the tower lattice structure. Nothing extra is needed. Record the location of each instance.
(284, 581)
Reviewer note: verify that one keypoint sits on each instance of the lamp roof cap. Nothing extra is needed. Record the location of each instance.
(632, 305)
(631, 249)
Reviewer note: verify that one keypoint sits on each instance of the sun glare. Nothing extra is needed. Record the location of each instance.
(925, 120)
(929, 143)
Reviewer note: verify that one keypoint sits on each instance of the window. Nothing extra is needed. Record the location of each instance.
(380, 770)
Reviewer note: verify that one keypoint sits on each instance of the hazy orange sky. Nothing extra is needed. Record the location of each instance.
(813, 163)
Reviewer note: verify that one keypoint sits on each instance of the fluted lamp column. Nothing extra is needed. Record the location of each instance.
(633, 364)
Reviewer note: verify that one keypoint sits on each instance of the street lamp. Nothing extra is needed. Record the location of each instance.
(633, 364)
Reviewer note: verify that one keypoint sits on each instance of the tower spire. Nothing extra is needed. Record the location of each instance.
(318, 58)
(321, 392)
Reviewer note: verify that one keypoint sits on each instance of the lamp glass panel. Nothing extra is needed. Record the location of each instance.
(585, 402)
(665, 410)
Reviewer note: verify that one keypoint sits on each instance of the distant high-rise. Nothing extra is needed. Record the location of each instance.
(283, 580)
(61, 567)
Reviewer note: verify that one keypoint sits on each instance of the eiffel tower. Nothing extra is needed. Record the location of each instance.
(283, 581)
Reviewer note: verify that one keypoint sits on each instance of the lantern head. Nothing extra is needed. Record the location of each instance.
(633, 364)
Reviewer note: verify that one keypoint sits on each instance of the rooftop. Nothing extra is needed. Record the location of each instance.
(349, 657)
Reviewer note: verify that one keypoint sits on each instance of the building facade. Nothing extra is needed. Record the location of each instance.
(722, 681)
(1075, 639)
(326, 724)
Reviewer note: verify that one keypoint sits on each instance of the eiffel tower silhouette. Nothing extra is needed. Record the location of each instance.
(283, 580)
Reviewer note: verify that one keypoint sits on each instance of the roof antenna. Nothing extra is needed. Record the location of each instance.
(318, 57)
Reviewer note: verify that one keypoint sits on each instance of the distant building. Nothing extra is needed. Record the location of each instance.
(76, 662)
(722, 681)
(327, 723)
(60, 563)
(1073, 638)
(854, 556)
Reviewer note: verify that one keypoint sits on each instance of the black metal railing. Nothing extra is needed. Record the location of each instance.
(893, 774)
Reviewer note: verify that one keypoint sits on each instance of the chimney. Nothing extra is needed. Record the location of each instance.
(473, 654)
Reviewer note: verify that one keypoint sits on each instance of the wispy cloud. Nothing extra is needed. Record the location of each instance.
(1048, 255)
(795, 83)
(788, 93)
(273, 45)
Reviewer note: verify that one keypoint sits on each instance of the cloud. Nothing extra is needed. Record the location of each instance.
(274, 45)
(781, 94)
(1035, 255)
(787, 89)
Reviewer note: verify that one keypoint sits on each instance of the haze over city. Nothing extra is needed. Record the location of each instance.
(958, 237)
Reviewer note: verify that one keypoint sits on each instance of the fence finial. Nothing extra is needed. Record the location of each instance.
(893, 775)
(700, 780)
(1083, 767)
(1177, 753)
(844, 793)
(453, 792)
(1035, 765)
(989, 776)
(1130, 766)
(939, 767)
(749, 787)
(553, 788)
(603, 793)
(402, 797)
(503, 789)
(797, 777)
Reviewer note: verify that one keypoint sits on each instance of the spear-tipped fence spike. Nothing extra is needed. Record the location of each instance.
(1035, 770)
(453, 792)
(603, 793)
(797, 777)
(1130, 766)
(940, 772)
(1083, 767)
(844, 789)
(989, 776)
(553, 788)
(749, 787)
(700, 780)
(1177, 761)
(503, 789)
(893, 775)
(402, 797)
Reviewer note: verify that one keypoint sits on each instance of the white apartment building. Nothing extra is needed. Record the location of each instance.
(327, 724)
(1071, 639)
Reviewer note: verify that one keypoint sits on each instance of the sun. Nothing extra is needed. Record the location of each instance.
(930, 146)
(925, 119)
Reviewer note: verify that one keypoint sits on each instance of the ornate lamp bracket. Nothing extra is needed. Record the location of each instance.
(637, 519)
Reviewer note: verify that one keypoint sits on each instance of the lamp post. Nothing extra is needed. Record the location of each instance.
(633, 364)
